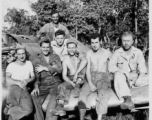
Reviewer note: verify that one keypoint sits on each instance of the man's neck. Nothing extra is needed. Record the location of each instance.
(97, 50)
(55, 24)
(128, 52)
(20, 62)
(46, 58)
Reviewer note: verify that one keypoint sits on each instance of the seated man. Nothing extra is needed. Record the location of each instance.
(73, 75)
(59, 44)
(48, 69)
(98, 78)
(128, 66)
(18, 75)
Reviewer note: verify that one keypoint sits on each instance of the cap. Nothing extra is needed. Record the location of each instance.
(72, 41)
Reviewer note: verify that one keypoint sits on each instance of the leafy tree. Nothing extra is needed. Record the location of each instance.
(20, 22)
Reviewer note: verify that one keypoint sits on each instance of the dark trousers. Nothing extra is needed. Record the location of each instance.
(38, 101)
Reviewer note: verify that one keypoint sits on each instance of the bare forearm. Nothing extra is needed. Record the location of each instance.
(12, 81)
(30, 79)
(88, 75)
(81, 66)
(67, 79)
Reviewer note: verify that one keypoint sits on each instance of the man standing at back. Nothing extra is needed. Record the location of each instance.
(128, 66)
(48, 69)
(53, 26)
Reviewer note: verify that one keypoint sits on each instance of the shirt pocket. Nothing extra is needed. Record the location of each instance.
(120, 62)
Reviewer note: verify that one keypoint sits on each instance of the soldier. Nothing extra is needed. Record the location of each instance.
(97, 77)
(128, 66)
(47, 69)
(73, 75)
(18, 75)
(53, 26)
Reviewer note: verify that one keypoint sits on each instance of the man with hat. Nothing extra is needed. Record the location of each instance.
(73, 74)
(18, 75)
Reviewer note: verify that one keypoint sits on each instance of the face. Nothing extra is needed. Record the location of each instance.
(45, 48)
(95, 44)
(127, 42)
(21, 55)
(71, 49)
(55, 18)
(60, 39)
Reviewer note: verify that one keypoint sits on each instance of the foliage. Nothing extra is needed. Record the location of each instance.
(20, 22)
(82, 17)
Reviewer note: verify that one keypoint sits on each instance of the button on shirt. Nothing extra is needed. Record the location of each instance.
(134, 62)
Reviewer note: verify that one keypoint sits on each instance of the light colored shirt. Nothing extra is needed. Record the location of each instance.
(50, 30)
(20, 72)
(60, 51)
(135, 62)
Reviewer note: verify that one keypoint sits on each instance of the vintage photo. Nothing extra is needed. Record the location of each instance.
(75, 60)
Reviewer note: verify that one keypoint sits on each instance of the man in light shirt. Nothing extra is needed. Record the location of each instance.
(18, 75)
(129, 68)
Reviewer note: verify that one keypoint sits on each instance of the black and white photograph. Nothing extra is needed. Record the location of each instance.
(75, 60)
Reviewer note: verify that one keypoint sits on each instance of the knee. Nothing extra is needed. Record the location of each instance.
(28, 110)
(119, 76)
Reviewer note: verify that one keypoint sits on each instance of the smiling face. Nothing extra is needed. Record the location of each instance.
(127, 42)
(55, 18)
(45, 47)
(21, 55)
(71, 47)
(60, 39)
(95, 44)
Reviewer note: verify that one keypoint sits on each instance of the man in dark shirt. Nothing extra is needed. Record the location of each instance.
(47, 69)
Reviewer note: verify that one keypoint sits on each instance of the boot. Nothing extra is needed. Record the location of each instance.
(128, 103)
(59, 110)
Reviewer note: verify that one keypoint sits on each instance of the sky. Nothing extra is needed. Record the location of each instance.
(18, 4)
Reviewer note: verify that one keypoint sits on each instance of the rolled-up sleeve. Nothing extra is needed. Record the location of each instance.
(57, 65)
(141, 63)
(112, 67)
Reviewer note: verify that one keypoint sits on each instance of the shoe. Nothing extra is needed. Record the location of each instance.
(59, 111)
(128, 103)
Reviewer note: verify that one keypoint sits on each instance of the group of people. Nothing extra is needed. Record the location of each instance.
(61, 68)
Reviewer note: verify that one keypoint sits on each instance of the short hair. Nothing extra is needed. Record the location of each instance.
(94, 36)
(54, 12)
(44, 40)
(128, 33)
(59, 32)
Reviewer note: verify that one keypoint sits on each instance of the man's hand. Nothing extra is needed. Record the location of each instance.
(72, 83)
(23, 84)
(35, 92)
(75, 77)
(40, 68)
(137, 82)
(92, 87)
